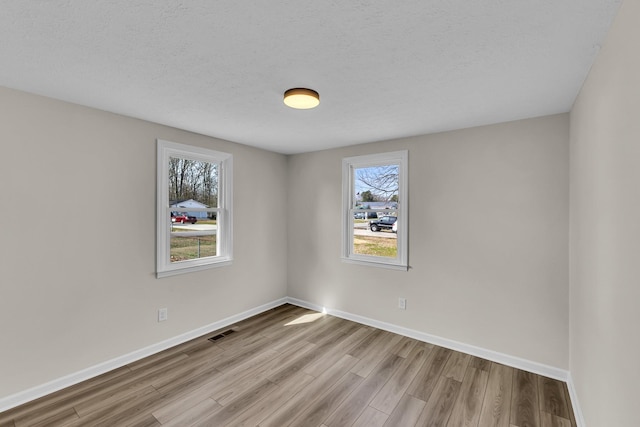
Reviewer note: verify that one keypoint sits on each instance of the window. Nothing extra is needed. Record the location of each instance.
(374, 200)
(194, 212)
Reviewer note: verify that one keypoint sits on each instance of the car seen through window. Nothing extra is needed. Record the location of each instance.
(383, 223)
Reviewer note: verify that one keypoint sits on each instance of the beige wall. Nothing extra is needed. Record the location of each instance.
(77, 258)
(605, 230)
(488, 226)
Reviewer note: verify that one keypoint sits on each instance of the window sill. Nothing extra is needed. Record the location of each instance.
(379, 264)
(191, 269)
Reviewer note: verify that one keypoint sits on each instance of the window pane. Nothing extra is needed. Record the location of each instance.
(194, 182)
(193, 241)
(375, 236)
(376, 187)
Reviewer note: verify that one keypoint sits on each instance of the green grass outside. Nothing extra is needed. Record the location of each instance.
(376, 246)
(186, 248)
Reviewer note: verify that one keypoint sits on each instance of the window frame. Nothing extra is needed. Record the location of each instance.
(349, 164)
(224, 210)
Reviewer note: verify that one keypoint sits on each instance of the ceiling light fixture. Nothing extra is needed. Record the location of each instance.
(301, 98)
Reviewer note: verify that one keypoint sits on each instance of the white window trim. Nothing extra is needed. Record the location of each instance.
(224, 211)
(348, 165)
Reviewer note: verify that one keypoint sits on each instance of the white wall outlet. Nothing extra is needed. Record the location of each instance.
(163, 314)
(402, 303)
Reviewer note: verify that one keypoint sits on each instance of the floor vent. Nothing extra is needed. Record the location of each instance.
(222, 335)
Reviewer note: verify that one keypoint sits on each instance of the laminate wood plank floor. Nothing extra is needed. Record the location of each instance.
(291, 366)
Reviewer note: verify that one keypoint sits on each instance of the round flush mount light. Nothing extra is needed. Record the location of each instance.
(301, 98)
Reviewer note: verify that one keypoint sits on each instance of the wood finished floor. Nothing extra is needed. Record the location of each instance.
(293, 367)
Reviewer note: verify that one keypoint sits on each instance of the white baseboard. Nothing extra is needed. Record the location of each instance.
(505, 359)
(577, 410)
(17, 399)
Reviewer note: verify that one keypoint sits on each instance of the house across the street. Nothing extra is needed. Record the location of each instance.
(190, 203)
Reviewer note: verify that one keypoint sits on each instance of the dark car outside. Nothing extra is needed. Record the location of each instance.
(383, 223)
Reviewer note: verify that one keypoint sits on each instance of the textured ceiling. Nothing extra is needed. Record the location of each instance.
(384, 69)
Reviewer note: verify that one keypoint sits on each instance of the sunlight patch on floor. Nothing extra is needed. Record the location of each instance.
(307, 318)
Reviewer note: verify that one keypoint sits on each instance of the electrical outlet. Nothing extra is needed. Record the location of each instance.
(162, 314)
(402, 303)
